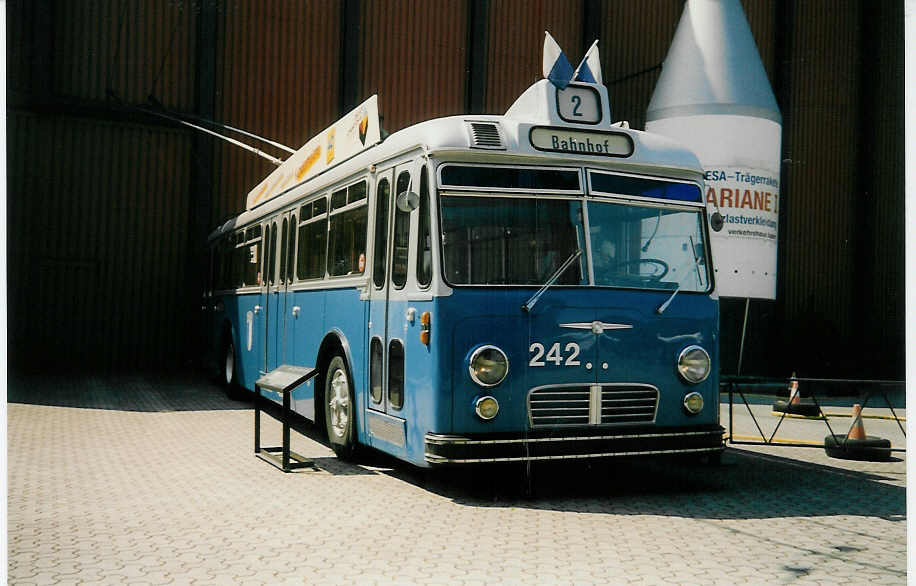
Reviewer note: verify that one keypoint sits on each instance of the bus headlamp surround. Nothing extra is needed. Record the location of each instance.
(693, 364)
(488, 366)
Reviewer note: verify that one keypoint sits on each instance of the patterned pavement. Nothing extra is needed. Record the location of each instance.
(144, 480)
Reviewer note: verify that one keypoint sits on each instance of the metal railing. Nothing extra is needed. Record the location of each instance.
(737, 384)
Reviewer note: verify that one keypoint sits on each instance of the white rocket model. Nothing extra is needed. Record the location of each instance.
(713, 96)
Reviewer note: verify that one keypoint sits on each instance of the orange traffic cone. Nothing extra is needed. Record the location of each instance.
(795, 405)
(857, 431)
(794, 395)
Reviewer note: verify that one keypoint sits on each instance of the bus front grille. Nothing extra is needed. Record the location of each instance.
(554, 406)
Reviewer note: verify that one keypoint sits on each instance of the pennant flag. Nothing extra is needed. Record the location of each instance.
(589, 69)
(556, 66)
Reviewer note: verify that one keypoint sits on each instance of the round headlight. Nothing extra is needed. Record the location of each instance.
(693, 403)
(693, 364)
(486, 408)
(488, 366)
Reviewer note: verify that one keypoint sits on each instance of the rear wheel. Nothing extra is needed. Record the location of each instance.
(228, 374)
(340, 409)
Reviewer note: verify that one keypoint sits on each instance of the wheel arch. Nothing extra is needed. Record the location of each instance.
(334, 343)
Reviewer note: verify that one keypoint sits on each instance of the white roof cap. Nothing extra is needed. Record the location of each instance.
(713, 67)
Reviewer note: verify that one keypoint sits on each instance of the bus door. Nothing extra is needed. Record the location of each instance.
(277, 269)
(268, 255)
(378, 292)
(388, 304)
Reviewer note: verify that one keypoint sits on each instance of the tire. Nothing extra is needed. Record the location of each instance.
(804, 408)
(228, 371)
(871, 449)
(340, 409)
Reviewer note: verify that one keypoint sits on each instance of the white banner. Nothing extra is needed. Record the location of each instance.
(356, 131)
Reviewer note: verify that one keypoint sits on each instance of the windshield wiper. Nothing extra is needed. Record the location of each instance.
(696, 264)
(528, 305)
(661, 308)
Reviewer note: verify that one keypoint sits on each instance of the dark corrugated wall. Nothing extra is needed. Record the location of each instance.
(516, 40)
(413, 56)
(101, 197)
(97, 225)
(821, 174)
(277, 69)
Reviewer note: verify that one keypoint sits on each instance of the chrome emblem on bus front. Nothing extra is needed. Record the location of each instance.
(597, 327)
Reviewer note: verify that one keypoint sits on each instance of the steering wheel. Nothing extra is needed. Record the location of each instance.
(663, 266)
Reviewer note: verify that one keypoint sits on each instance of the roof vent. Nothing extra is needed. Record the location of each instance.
(486, 135)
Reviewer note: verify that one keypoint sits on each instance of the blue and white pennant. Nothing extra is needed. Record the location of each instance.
(557, 69)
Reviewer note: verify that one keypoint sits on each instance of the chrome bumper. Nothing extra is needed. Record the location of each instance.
(455, 449)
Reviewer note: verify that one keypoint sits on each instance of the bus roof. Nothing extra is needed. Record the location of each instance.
(541, 127)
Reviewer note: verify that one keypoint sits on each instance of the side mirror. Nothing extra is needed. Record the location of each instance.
(716, 222)
(408, 201)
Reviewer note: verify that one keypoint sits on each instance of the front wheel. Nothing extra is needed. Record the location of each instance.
(340, 409)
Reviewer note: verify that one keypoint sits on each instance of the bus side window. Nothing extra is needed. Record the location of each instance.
(401, 236)
(424, 252)
(265, 253)
(284, 242)
(396, 374)
(238, 260)
(313, 232)
(291, 256)
(271, 267)
(347, 232)
(252, 252)
(382, 197)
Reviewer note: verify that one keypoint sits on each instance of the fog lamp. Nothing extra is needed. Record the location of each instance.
(693, 403)
(486, 408)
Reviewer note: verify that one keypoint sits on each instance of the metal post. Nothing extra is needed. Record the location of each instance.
(747, 303)
(257, 419)
(286, 467)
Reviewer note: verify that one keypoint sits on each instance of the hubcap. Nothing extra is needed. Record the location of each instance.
(339, 403)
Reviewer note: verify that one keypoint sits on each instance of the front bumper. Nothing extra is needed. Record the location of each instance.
(568, 445)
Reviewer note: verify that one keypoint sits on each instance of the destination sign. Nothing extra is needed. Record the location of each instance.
(564, 140)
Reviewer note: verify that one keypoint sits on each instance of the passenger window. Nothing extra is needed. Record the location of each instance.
(347, 240)
(313, 232)
(239, 259)
(338, 199)
(284, 237)
(251, 257)
(291, 256)
(424, 244)
(271, 267)
(401, 236)
(264, 261)
(396, 374)
(375, 370)
(356, 192)
(383, 193)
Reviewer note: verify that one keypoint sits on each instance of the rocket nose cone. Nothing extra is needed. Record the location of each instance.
(713, 66)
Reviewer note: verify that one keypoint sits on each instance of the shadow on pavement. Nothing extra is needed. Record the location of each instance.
(120, 392)
(745, 486)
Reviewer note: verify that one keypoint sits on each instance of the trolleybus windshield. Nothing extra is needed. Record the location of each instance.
(523, 240)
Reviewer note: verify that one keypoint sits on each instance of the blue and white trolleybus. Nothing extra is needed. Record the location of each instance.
(536, 285)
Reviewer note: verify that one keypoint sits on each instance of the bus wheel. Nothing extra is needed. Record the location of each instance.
(229, 378)
(340, 409)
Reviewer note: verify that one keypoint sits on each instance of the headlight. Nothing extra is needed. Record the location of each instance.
(488, 366)
(693, 364)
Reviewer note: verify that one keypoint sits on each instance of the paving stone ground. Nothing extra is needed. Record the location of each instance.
(145, 480)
